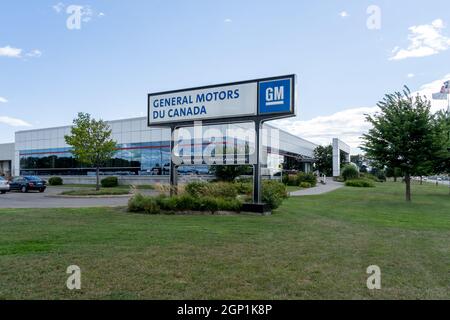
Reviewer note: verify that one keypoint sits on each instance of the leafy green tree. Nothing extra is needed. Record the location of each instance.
(230, 172)
(393, 173)
(403, 134)
(360, 161)
(441, 163)
(91, 142)
(324, 159)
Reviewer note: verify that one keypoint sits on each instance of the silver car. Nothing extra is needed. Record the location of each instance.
(4, 185)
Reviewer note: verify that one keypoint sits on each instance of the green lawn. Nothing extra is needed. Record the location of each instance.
(292, 188)
(93, 192)
(315, 247)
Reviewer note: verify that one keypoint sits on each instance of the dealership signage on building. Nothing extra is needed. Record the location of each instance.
(266, 98)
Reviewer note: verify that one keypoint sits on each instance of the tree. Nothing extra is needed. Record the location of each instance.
(393, 173)
(402, 136)
(324, 159)
(230, 172)
(91, 142)
(441, 163)
(360, 161)
(442, 123)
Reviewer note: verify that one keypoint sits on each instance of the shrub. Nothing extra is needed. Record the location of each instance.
(230, 173)
(215, 189)
(209, 204)
(245, 179)
(229, 204)
(55, 181)
(196, 188)
(243, 187)
(167, 203)
(222, 189)
(187, 202)
(350, 172)
(360, 183)
(140, 203)
(381, 176)
(305, 185)
(306, 177)
(273, 193)
(150, 206)
(292, 180)
(368, 176)
(110, 182)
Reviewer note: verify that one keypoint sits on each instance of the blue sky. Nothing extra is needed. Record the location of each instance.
(130, 48)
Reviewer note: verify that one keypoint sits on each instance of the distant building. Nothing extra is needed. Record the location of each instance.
(142, 151)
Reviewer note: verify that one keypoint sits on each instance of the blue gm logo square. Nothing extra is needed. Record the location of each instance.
(275, 96)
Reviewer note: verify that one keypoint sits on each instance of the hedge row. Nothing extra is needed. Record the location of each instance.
(108, 182)
(296, 180)
(206, 197)
(360, 183)
(217, 189)
(185, 202)
(55, 181)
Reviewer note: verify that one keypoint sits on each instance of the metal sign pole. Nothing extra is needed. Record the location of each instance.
(257, 166)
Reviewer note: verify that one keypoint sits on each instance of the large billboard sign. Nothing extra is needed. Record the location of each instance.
(264, 98)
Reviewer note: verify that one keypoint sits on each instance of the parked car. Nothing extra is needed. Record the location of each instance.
(27, 183)
(4, 185)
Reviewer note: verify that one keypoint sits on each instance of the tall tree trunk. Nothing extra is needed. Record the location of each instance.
(408, 187)
(395, 178)
(420, 180)
(97, 185)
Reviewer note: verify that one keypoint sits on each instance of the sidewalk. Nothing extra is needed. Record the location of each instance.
(320, 189)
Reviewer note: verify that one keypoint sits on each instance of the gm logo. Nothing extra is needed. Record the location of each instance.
(275, 96)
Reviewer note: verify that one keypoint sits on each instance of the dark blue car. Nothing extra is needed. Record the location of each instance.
(27, 183)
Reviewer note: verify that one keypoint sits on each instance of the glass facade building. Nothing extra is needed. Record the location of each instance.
(140, 151)
(129, 159)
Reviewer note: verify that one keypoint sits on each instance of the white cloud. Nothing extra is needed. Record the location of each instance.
(349, 124)
(58, 7)
(101, 14)
(86, 13)
(10, 52)
(424, 40)
(34, 53)
(3, 100)
(227, 20)
(343, 14)
(410, 75)
(13, 122)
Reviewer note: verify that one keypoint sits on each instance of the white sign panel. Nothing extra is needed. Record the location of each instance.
(203, 103)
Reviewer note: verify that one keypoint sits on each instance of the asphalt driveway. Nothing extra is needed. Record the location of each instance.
(49, 199)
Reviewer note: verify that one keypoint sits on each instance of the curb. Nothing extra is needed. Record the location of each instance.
(90, 197)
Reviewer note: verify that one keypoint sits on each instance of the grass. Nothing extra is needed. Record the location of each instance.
(314, 247)
(93, 192)
(293, 188)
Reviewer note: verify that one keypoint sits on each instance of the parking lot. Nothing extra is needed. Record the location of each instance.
(50, 199)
